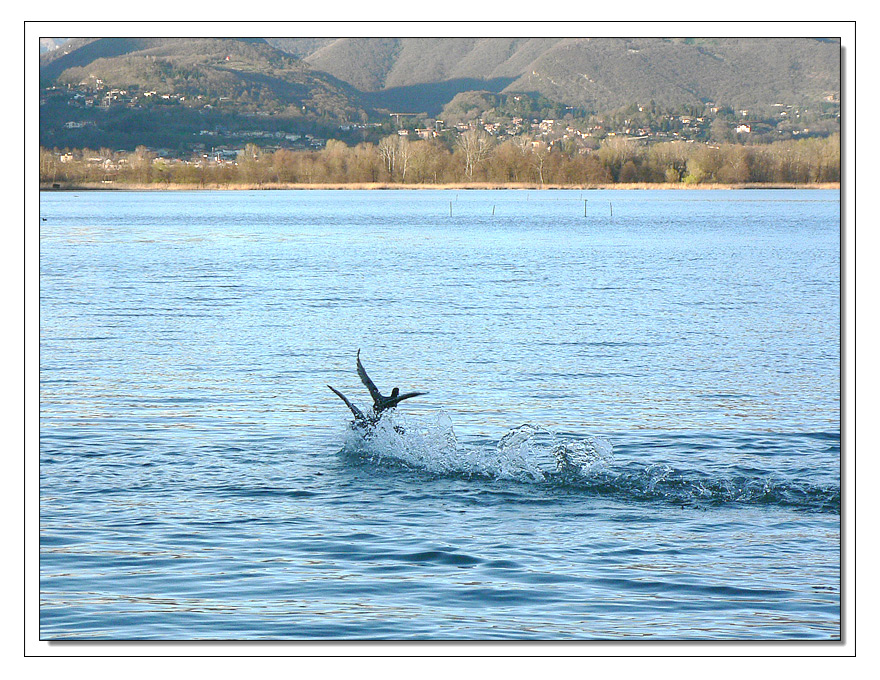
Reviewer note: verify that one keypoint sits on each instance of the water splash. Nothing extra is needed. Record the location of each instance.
(532, 453)
(528, 453)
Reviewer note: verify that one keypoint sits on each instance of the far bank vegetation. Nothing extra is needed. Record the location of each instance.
(473, 159)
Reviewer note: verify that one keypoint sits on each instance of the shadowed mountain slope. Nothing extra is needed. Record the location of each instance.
(595, 74)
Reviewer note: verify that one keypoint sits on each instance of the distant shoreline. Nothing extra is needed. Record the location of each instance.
(380, 186)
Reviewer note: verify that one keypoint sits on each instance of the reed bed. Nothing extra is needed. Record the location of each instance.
(280, 186)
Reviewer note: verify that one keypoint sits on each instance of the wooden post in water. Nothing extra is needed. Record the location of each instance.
(611, 208)
(450, 208)
(585, 207)
(493, 211)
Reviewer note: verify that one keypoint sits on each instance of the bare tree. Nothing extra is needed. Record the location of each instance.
(396, 152)
(141, 164)
(366, 163)
(404, 155)
(540, 153)
(388, 152)
(615, 152)
(48, 167)
(475, 146)
(524, 144)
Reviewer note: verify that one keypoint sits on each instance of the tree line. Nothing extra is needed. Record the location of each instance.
(472, 157)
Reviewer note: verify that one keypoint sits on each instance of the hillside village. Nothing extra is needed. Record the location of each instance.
(89, 104)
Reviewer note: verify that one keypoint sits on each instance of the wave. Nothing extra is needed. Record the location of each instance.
(534, 454)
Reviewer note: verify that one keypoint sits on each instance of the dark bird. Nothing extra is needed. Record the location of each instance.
(380, 403)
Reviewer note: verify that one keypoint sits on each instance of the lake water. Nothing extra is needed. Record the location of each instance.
(631, 431)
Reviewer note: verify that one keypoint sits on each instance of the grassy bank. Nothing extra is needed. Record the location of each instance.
(163, 186)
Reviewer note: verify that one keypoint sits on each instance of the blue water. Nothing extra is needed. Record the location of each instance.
(631, 431)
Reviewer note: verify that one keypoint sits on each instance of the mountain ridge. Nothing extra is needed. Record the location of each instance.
(590, 73)
(244, 68)
(182, 91)
(595, 73)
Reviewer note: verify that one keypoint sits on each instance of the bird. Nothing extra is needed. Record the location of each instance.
(380, 402)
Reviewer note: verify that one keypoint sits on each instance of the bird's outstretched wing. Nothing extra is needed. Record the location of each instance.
(358, 414)
(401, 397)
(365, 379)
